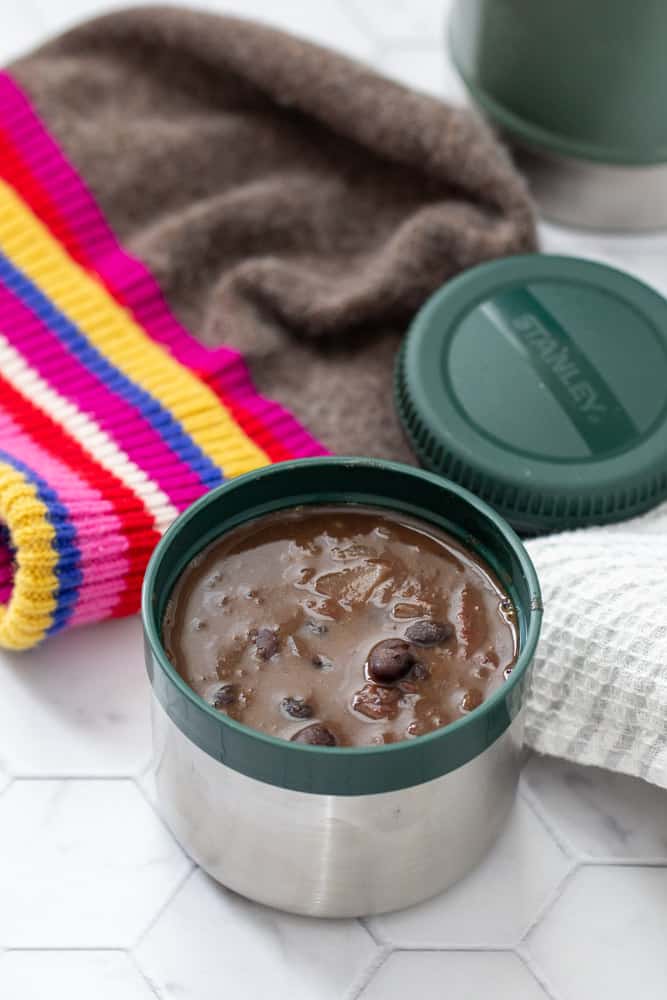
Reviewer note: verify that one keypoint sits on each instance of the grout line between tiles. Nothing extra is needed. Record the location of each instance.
(146, 770)
(359, 986)
(115, 950)
(495, 948)
(143, 768)
(167, 902)
(571, 850)
(549, 904)
(589, 862)
(73, 777)
(526, 959)
(536, 973)
(152, 986)
(533, 802)
(373, 935)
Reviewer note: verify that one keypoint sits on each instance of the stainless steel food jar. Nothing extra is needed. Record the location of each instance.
(342, 831)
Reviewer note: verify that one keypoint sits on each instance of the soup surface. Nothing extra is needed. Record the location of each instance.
(340, 626)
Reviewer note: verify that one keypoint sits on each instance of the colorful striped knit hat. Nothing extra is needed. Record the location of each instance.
(113, 418)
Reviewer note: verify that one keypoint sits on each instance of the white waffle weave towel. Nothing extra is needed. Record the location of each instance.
(599, 689)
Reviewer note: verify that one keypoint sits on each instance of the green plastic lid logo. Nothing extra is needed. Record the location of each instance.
(574, 382)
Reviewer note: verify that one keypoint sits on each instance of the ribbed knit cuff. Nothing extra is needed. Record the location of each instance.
(113, 418)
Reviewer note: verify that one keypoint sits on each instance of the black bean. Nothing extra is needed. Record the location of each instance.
(428, 633)
(225, 695)
(296, 708)
(266, 643)
(389, 660)
(316, 735)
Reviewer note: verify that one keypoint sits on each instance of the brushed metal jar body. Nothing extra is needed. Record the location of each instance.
(333, 855)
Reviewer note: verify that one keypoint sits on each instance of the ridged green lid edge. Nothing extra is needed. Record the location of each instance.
(528, 512)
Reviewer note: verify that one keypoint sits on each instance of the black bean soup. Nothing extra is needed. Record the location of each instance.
(340, 626)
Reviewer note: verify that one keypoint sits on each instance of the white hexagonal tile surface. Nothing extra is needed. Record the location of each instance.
(82, 863)
(403, 20)
(208, 935)
(494, 905)
(71, 975)
(21, 24)
(326, 22)
(77, 705)
(423, 68)
(5, 778)
(323, 21)
(602, 815)
(465, 975)
(605, 937)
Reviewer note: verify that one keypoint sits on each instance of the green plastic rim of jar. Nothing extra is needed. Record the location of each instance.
(389, 485)
(467, 15)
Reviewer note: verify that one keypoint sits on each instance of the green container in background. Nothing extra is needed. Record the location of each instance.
(579, 88)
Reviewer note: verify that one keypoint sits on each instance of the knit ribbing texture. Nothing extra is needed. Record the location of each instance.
(113, 419)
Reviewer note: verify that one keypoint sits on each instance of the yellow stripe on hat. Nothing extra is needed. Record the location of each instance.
(111, 329)
(25, 619)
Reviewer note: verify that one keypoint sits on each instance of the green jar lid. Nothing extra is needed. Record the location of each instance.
(540, 383)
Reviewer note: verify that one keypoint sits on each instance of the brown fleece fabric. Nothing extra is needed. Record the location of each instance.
(292, 203)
